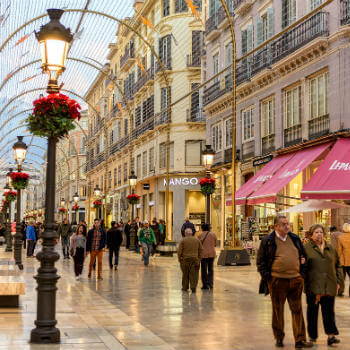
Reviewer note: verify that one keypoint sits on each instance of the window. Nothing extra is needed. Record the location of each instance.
(166, 8)
(138, 166)
(180, 6)
(197, 43)
(195, 112)
(289, 12)
(165, 51)
(115, 177)
(248, 124)
(265, 26)
(194, 152)
(162, 155)
(268, 117)
(164, 103)
(318, 88)
(228, 132)
(109, 179)
(292, 107)
(216, 136)
(314, 4)
(214, 6)
(151, 159)
(144, 164)
(228, 55)
(119, 175)
(126, 128)
(125, 172)
(137, 117)
(216, 66)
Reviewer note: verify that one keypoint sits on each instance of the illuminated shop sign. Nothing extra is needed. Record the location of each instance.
(182, 181)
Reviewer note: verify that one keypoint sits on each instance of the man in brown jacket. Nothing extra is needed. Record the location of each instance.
(189, 253)
(344, 250)
(209, 241)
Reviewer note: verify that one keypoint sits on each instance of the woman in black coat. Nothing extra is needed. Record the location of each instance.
(114, 241)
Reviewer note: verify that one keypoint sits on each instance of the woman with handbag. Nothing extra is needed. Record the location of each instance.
(209, 241)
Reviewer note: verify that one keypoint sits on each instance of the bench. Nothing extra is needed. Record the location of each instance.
(12, 284)
(168, 249)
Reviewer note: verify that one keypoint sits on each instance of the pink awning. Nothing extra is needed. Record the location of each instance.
(262, 176)
(268, 191)
(332, 178)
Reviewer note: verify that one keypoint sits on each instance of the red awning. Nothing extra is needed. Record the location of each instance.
(262, 176)
(332, 178)
(267, 193)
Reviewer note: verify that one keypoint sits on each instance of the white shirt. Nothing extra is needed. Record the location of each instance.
(281, 238)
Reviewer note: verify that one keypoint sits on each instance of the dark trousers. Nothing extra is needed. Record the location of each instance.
(282, 289)
(127, 245)
(79, 261)
(190, 272)
(115, 251)
(30, 247)
(207, 272)
(65, 246)
(328, 317)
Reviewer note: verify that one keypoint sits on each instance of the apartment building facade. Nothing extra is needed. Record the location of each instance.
(70, 166)
(291, 94)
(130, 132)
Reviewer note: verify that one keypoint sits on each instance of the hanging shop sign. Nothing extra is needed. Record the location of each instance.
(262, 161)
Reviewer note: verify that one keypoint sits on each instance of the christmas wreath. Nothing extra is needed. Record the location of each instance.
(19, 180)
(97, 204)
(53, 116)
(207, 185)
(133, 198)
(10, 196)
(62, 210)
(75, 208)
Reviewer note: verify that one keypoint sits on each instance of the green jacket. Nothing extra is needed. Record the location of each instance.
(64, 230)
(323, 270)
(147, 237)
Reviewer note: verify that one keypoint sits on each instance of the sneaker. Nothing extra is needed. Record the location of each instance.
(333, 340)
(193, 290)
(77, 278)
(303, 344)
(116, 267)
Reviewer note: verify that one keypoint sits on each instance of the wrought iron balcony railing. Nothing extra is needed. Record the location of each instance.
(318, 126)
(129, 53)
(193, 60)
(145, 77)
(344, 12)
(292, 135)
(268, 144)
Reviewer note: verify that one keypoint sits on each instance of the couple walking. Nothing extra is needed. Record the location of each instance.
(285, 266)
(192, 253)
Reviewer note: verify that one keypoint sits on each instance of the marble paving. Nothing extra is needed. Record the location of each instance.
(143, 308)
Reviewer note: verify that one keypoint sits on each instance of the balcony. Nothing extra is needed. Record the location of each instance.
(145, 78)
(194, 115)
(193, 61)
(223, 21)
(318, 126)
(292, 135)
(167, 65)
(268, 144)
(119, 145)
(127, 59)
(344, 12)
(217, 89)
(248, 149)
(211, 28)
(148, 125)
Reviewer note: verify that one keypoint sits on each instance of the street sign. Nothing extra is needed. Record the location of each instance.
(146, 187)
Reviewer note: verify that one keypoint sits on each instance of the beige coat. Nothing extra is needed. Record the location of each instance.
(209, 244)
(344, 249)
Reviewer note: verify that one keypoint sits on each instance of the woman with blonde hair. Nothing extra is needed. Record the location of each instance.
(322, 281)
(344, 250)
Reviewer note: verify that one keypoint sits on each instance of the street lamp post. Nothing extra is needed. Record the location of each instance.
(62, 204)
(97, 193)
(54, 40)
(7, 188)
(20, 149)
(76, 201)
(208, 159)
(133, 228)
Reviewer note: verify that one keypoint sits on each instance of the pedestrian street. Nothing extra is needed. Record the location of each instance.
(143, 308)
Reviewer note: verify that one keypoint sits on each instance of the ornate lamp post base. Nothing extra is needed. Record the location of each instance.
(133, 234)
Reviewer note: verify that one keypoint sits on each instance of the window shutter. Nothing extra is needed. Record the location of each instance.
(284, 13)
(259, 31)
(160, 49)
(293, 11)
(244, 42)
(270, 22)
(168, 51)
(152, 62)
(250, 38)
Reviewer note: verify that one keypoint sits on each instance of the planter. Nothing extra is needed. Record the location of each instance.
(11, 196)
(207, 185)
(19, 180)
(133, 198)
(75, 208)
(97, 204)
(53, 116)
(62, 210)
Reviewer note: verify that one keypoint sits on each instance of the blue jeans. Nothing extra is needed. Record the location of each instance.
(115, 251)
(147, 250)
(65, 245)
